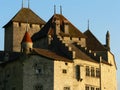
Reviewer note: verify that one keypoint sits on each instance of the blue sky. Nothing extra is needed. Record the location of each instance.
(103, 15)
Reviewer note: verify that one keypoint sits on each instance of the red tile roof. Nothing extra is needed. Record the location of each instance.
(50, 54)
(27, 37)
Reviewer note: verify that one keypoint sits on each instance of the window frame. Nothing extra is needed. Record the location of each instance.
(97, 72)
(92, 72)
(66, 88)
(64, 71)
(87, 71)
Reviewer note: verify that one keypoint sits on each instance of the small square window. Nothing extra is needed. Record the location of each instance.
(66, 63)
(39, 71)
(64, 71)
(66, 88)
(38, 87)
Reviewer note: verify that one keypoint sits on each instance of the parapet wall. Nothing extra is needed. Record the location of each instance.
(90, 53)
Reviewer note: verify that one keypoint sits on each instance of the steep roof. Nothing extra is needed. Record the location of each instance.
(48, 29)
(50, 54)
(92, 42)
(27, 37)
(80, 54)
(26, 15)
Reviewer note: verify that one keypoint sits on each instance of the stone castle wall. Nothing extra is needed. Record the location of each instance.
(11, 76)
(38, 72)
(15, 32)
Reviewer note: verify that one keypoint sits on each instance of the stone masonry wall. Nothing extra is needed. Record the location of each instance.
(85, 80)
(11, 76)
(8, 41)
(19, 31)
(14, 34)
(63, 78)
(38, 72)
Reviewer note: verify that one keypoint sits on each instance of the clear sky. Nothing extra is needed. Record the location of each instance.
(103, 15)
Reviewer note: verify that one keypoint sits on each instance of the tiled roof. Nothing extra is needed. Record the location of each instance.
(48, 29)
(80, 54)
(50, 54)
(93, 43)
(26, 15)
(26, 37)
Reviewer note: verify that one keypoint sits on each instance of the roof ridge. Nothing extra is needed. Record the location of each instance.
(26, 13)
(48, 28)
(88, 31)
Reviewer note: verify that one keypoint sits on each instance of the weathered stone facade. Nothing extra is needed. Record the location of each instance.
(16, 28)
(55, 56)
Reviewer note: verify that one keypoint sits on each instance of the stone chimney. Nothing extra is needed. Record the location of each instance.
(57, 25)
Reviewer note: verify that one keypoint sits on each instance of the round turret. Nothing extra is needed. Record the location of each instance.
(26, 44)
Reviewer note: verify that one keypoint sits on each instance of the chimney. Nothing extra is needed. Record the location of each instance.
(57, 27)
(66, 27)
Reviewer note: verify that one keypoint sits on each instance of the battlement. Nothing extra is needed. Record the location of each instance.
(64, 46)
(29, 25)
(81, 41)
(90, 53)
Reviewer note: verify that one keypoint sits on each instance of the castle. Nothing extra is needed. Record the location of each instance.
(54, 55)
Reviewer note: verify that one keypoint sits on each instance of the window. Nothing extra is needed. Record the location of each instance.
(97, 72)
(66, 63)
(86, 87)
(97, 88)
(87, 71)
(39, 69)
(38, 87)
(78, 72)
(64, 71)
(92, 72)
(30, 25)
(66, 88)
(19, 24)
(92, 88)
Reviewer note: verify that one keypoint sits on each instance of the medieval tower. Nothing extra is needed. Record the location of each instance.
(54, 55)
(16, 28)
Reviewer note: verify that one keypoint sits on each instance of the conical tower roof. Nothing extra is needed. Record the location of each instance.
(27, 38)
(26, 15)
